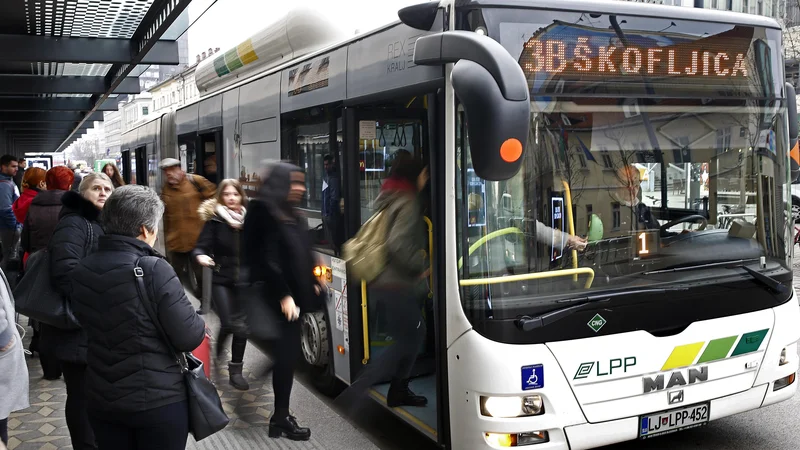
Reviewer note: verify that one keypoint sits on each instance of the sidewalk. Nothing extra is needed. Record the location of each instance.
(43, 426)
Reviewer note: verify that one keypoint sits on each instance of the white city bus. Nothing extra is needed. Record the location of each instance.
(659, 134)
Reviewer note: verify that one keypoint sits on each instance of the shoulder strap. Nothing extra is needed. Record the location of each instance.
(194, 182)
(90, 235)
(144, 297)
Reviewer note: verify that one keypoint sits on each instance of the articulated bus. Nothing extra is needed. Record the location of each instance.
(608, 215)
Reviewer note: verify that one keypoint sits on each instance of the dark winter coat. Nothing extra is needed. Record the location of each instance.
(67, 248)
(220, 241)
(41, 220)
(129, 366)
(276, 248)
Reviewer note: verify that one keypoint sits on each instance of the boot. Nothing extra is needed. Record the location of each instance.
(401, 395)
(286, 425)
(236, 378)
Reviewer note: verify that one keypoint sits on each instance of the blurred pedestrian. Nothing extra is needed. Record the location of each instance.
(75, 237)
(400, 289)
(277, 252)
(138, 397)
(218, 248)
(182, 194)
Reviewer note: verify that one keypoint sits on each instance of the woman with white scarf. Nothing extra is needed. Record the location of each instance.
(218, 248)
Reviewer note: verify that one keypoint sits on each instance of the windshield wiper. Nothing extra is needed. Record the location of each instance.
(759, 277)
(766, 280)
(528, 323)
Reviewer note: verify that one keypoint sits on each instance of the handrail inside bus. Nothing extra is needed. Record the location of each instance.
(364, 321)
(571, 226)
(488, 237)
(532, 276)
(430, 255)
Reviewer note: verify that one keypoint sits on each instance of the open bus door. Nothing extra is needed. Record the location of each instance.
(374, 138)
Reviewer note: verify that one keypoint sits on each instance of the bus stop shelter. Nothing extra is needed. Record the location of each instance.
(64, 62)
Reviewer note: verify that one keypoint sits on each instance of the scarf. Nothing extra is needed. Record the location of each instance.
(234, 219)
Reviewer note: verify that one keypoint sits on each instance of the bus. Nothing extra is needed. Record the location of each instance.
(610, 209)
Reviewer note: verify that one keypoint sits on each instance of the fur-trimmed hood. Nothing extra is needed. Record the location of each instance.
(208, 210)
(74, 203)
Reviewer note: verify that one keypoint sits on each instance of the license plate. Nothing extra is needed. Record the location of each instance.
(666, 422)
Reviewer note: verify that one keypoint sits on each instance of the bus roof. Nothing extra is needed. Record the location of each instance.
(631, 9)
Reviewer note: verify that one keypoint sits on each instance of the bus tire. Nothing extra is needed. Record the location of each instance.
(317, 350)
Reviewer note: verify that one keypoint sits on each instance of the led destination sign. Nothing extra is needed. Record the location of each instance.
(574, 51)
(553, 56)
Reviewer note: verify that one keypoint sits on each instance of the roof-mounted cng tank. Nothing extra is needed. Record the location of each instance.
(301, 31)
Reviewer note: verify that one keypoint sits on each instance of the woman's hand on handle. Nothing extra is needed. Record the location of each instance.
(205, 261)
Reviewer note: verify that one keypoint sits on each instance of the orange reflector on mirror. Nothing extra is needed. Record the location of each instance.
(511, 150)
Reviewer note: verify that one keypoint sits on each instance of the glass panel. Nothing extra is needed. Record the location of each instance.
(82, 69)
(392, 137)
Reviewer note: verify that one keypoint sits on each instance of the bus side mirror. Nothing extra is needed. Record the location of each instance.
(494, 92)
(791, 110)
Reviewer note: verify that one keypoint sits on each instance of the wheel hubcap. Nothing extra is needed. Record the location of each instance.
(314, 339)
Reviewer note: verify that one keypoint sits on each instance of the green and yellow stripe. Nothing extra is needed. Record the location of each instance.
(235, 58)
(717, 349)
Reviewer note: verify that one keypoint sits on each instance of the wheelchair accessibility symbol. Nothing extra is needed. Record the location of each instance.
(532, 377)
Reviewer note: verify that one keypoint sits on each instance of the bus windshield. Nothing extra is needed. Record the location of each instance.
(657, 154)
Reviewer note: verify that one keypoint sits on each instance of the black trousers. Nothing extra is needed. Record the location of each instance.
(285, 353)
(164, 428)
(4, 431)
(232, 320)
(184, 265)
(407, 329)
(80, 431)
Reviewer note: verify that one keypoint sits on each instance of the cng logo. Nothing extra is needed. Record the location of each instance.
(596, 323)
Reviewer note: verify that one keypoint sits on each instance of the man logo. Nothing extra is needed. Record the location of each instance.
(675, 397)
(676, 378)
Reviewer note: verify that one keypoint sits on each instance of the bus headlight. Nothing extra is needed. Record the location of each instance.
(783, 360)
(507, 407)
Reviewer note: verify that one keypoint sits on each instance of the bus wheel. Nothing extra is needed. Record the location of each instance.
(317, 349)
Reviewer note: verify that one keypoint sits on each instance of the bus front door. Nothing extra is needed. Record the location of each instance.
(375, 140)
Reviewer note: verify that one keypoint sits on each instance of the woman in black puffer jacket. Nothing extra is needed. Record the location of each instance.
(218, 248)
(74, 238)
(138, 396)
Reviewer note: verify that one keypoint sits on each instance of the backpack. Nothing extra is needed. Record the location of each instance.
(366, 254)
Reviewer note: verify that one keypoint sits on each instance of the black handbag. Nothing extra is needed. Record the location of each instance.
(35, 296)
(263, 322)
(206, 415)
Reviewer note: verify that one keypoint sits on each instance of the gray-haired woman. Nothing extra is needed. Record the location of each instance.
(138, 396)
(74, 238)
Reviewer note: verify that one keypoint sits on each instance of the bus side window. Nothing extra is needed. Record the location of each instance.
(309, 147)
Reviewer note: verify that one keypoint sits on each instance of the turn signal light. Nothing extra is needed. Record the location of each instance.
(505, 440)
(318, 271)
(340, 349)
(783, 360)
(783, 382)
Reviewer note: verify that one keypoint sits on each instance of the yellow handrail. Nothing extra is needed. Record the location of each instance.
(430, 254)
(364, 320)
(532, 276)
(571, 226)
(489, 236)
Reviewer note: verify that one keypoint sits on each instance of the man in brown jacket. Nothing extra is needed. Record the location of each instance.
(182, 195)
